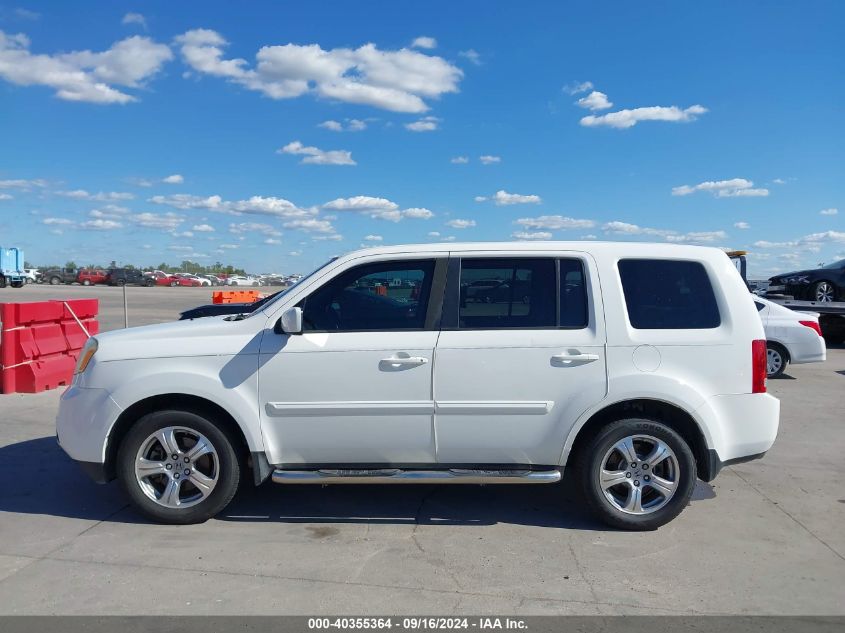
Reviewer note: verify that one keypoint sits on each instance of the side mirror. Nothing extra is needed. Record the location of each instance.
(291, 321)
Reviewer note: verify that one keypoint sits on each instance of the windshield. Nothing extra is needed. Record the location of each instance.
(839, 264)
(268, 300)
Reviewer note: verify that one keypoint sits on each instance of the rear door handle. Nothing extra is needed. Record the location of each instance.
(406, 361)
(569, 359)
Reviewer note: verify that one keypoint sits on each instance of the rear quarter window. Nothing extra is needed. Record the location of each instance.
(664, 294)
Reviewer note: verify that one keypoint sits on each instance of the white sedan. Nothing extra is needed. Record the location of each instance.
(791, 336)
(240, 280)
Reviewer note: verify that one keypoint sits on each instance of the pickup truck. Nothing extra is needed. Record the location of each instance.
(56, 276)
(88, 277)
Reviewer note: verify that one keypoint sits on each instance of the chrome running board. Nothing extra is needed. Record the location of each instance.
(399, 476)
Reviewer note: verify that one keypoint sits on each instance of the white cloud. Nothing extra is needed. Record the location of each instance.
(183, 234)
(22, 184)
(595, 101)
(733, 188)
(434, 233)
(693, 237)
(230, 246)
(256, 205)
(102, 196)
(536, 235)
(426, 124)
(472, 55)
(742, 225)
(629, 118)
(258, 227)
(56, 221)
(272, 240)
(316, 156)
(5, 196)
(163, 221)
(101, 225)
(779, 181)
(417, 213)
(554, 222)
(487, 159)
(460, 224)
(459, 160)
(311, 225)
(333, 237)
(578, 87)
(173, 179)
(348, 125)
(373, 238)
(84, 75)
(392, 80)
(203, 228)
(135, 18)
(424, 42)
(829, 211)
(377, 208)
(295, 253)
(503, 198)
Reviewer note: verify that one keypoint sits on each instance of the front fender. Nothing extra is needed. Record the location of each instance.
(231, 382)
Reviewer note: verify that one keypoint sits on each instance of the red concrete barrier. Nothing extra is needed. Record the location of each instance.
(235, 296)
(40, 342)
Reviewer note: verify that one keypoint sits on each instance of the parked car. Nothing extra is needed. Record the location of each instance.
(125, 277)
(195, 279)
(89, 277)
(159, 278)
(643, 382)
(791, 337)
(213, 279)
(240, 280)
(57, 276)
(823, 284)
(31, 275)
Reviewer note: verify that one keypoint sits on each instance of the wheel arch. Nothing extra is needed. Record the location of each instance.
(257, 461)
(783, 346)
(670, 414)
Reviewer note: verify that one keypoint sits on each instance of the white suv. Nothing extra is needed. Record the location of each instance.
(642, 365)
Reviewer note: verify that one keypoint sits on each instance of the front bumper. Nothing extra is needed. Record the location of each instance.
(85, 419)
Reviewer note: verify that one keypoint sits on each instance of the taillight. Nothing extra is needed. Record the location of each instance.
(813, 325)
(758, 366)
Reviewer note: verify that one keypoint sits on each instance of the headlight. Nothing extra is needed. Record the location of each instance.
(86, 355)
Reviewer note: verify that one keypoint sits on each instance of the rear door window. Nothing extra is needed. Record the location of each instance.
(507, 293)
(663, 294)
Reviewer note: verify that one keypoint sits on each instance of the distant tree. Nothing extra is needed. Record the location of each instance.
(71, 264)
(27, 264)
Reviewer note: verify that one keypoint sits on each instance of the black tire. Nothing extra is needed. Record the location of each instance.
(588, 465)
(17, 284)
(55, 281)
(86, 282)
(173, 284)
(2, 281)
(229, 467)
(776, 350)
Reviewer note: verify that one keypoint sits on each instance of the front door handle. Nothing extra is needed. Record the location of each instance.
(404, 361)
(569, 359)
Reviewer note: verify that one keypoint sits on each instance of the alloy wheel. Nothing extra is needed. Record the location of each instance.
(824, 292)
(639, 474)
(774, 361)
(177, 467)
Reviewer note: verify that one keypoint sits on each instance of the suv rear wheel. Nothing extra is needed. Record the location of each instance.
(178, 467)
(636, 474)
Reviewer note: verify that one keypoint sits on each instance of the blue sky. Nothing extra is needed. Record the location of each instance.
(275, 134)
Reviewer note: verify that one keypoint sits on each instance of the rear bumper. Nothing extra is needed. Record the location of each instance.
(742, 427)
(715, 465)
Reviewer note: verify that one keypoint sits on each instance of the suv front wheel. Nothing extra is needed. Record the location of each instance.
(636, 474)
(178, 467)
